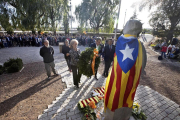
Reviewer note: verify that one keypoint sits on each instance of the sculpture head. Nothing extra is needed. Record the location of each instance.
(133, 27)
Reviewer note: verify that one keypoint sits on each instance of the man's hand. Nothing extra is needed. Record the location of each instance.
(67, 54)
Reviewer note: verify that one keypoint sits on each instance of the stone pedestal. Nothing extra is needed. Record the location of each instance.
(60, 46)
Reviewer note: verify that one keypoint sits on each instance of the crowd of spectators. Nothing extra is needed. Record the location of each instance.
(27, 40)
(169, 51)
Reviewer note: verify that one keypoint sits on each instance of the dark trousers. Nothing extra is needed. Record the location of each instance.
(107, 66)
(48, 67)
(9, 43)
(76, 75)
(163, 53)
(169, 51)
(28, 43)
(68, 60)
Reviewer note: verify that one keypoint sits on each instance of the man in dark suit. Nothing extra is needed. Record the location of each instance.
(8, 39)
(99, 47)
(109, 51)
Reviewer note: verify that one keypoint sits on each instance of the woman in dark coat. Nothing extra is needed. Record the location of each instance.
(65, 51)
(75, 54)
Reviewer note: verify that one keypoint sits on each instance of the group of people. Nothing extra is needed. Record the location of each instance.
(72, 53)
(172, 51)
(21, 40)
(25, 39)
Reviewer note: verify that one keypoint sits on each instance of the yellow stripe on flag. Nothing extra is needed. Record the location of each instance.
(81, 104)
(106, 87)
(137, 73)
(85, 103)
(113, 90)
(88, 100)
(124, 80)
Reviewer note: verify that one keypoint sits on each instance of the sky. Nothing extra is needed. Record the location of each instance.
(125, 7)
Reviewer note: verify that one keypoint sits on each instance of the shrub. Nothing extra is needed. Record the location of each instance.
(1, 72)
(1, 69)
(13, 65)
(13, 68)
(1, 66)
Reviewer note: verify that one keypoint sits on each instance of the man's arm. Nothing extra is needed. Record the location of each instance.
(41, 52)
(52, 50)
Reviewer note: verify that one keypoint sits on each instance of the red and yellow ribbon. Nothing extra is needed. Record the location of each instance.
(95, 51)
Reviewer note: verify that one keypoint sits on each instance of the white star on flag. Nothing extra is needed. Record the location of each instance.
(127, 53)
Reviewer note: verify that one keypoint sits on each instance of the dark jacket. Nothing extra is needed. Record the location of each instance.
(74, 56)
(93, 45)
(47, 54)
(109, 54)
(65, 50)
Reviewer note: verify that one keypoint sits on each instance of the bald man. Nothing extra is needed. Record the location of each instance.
(47, 53)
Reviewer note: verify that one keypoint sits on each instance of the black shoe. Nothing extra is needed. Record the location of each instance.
(95, 78)
(48, 78)
(56, 74)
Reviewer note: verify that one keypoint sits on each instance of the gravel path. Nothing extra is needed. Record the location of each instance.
(25, 95)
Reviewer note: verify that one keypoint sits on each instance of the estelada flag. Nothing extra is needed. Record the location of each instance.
(124, 77)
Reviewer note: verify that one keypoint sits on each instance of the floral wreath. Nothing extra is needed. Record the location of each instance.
(85, 62)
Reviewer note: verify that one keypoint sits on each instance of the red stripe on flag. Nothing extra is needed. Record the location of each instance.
(133, 94)
(106, 97)
(103, 88)
(129, 85)
(94, 100)
(83, 103)
(98, 91)
(118, 87)
(86, 101)
(102, 91)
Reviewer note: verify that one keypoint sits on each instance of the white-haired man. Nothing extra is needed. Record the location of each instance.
(47, 53)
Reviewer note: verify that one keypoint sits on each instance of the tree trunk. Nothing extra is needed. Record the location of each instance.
(169, 36)
(171, 31)
(97, 30)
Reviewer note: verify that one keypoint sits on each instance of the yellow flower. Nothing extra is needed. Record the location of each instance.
(135, 104)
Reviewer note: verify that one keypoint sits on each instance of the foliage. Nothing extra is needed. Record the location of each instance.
(97, 13)
(166, 18)
(88, 113)
(32, 14)
(85, 62)
(1, 69)
(80, 29)
(4, 21)
(134, 16)
(13, 65)
(137, 113)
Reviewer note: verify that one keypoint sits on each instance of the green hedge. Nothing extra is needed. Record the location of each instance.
(13, 65)
(1, 69)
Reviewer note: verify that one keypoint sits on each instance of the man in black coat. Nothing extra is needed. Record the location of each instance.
(99, 47)
(47, 53)
(65, 51)
(109, 51)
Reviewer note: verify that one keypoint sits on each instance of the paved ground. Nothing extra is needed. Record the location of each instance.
(27, 54)
(155, 105)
